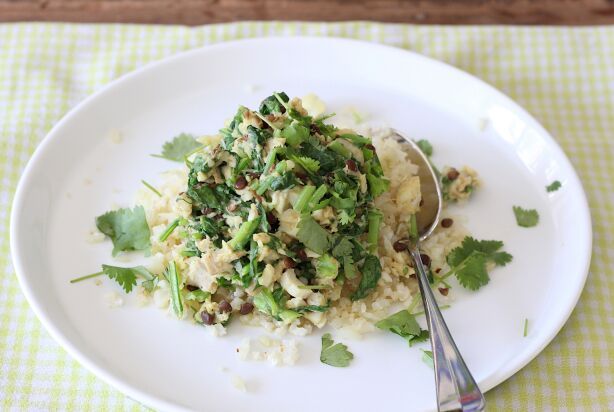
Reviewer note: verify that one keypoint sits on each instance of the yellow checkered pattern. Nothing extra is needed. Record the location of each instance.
(563, 76)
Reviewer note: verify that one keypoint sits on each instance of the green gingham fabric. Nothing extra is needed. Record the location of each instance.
(563, 76)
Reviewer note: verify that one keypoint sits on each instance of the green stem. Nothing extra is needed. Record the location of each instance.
(150, 187)
(173, 279)
(169, 230)
(304, 197)
(93, 275)
(317, 195)
(244, 233)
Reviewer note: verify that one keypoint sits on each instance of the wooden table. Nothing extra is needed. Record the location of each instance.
(194, 12)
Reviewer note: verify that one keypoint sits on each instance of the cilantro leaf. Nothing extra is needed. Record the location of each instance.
(405, 325)
(295, 134)
(427, 357)
(526, 217)
(127, 229)
(307, 163)
(334, 354)
(314, 236)
(469, 261)
(425, 146)
(272, 105)
(327, 266)
(125, 277)
(371, 273)
(553, 187)
(179, 147)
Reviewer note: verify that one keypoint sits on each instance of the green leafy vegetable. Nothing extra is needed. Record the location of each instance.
(526, 217)
(244, 234)
(553, 187)
(125, 277)
(314, 236)
(405, 325)
(272, 105)
(265, 302)
(334, 354)
(327, 267)
(427, 357)
(150, 187)
(468, 261)
(198, 295)
(179, 147)
(170, 229)
(295, 134)
(374, 217)
(425, 146)
(371, 273)
(173, 279)
(127, 229)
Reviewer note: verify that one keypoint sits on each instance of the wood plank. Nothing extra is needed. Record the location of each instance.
(194, 12)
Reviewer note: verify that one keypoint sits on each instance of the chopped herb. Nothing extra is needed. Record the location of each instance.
(425, 146)
(526, 328)
(314, 236)
(553, 187)
(526, 217)
(150, 187)
(125, 277)
(244, 234)
(179, 147)
(127, 229)
(173, 279)
(169, 230)
(374, 217)
(468, 261)
(334, 354)
(327, 267)
(427, 357)
(371, 272)
(405, 325)
(295, 134)
(198, 295)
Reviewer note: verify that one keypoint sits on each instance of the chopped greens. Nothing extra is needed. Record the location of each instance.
(179, 147)
(526, 217)
(334, 354)
(127, 229)
(525, 331)
(425, 146)
(172, 274)
(468, 262)
(371, 272)
(405, 325)
(150, 187)
(553, 187)
(125, 277)
(427, 357)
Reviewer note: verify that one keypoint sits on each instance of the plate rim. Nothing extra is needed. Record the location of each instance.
(139, 395)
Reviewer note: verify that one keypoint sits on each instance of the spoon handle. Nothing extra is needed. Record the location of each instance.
(456, 388)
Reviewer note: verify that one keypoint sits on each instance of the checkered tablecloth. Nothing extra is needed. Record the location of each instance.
(563, 76)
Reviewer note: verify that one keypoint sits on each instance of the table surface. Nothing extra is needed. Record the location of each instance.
(195, 12)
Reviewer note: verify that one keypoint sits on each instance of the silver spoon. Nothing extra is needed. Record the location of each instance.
(456, 388)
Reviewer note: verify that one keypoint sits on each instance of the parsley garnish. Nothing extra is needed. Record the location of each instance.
(178, 148)
(526, 328)
(127, 228)
(334, 354)
(526, 217)
(125, 277)
(468, 261)
(553, 187)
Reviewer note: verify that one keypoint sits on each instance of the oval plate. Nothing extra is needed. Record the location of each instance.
(78, 172)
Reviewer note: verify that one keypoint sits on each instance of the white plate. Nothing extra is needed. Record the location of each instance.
(78, 172)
